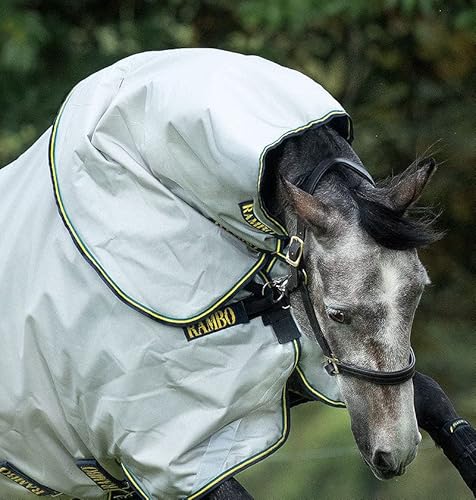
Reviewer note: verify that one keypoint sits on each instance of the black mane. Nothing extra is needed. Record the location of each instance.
(391, 228)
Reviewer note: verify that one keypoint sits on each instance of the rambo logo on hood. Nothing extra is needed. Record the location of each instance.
(248, 214)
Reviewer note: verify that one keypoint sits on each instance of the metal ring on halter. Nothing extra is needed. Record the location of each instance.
(263, 289)
(280, 297)
(278, 284)
(332, 362)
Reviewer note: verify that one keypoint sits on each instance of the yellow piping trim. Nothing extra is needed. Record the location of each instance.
(263, 277)
(136, 485)
(297, 352)
(273, 260)
(282, 256)
(271, 264)
(275, 143)
(264, 453)
(104, 274)
(317, 393)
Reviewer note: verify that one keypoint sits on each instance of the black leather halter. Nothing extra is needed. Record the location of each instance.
(297, 281)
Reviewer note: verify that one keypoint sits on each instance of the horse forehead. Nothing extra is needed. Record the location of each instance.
(371, 269)
(352, 257)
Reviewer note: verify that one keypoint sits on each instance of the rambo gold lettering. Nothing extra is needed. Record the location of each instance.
(11, 473)
(220, 318)
(99, 478)
(102, 478)
(214, 322)
(211, 323)
(201, 328)
(192, 332)
(250, 218)
(230, 316)
(247, 208)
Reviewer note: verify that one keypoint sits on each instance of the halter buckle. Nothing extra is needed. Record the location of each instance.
(295, 251)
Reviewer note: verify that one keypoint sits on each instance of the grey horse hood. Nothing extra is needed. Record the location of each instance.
(156, 151)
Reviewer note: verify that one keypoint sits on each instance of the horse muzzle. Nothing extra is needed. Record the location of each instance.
(387, 464)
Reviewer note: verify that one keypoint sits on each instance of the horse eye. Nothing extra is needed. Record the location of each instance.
(337, 315)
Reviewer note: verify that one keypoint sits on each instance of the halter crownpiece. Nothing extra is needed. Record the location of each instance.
(297, 281)
(310, 180)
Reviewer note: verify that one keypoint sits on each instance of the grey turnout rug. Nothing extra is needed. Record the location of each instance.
(130, 232)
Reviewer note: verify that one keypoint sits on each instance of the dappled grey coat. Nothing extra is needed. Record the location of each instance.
(126, 230)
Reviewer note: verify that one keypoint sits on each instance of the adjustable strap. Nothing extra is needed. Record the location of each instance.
(313, 321)
(275, 311)
(283, 324)
(267, 301)
(296, 281)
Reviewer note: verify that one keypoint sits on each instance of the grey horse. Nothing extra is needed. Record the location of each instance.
(366, 281)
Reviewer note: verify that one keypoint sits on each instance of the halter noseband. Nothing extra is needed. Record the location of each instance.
(297, 280)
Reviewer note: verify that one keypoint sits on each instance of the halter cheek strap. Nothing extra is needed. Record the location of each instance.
(297, 281)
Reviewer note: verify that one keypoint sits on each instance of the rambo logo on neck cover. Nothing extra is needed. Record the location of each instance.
(13, 473)
(248, 214)
(231, 315)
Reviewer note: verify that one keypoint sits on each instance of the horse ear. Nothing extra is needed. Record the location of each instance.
(406, 188)
(316, 212)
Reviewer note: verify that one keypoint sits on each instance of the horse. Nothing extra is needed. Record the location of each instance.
(322, 261)
(365, 281)
(361, 255)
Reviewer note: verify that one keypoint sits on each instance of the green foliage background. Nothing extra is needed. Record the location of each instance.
(404, 69)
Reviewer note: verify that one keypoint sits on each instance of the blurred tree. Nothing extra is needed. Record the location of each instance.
(404, 69)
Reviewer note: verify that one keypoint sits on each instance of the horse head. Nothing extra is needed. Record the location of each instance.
(364, 279)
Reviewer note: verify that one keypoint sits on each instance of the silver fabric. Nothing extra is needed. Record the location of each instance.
(150, 161)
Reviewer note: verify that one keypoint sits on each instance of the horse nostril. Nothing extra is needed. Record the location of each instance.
(383, 460)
